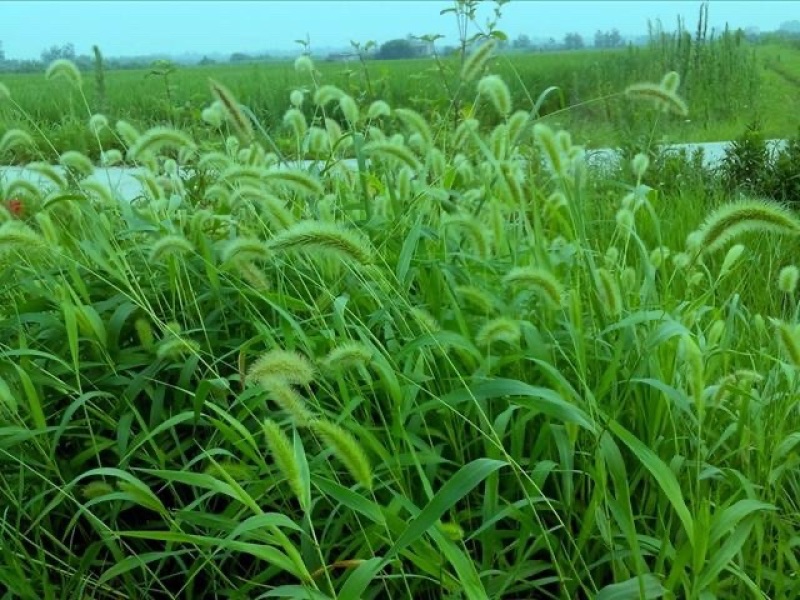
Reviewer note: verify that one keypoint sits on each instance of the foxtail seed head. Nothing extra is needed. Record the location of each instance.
(177, 347)
(664, 98)
(295, 119)
(501, 329)
(639, 164)
(349, 109)
(16, 236)
(378, 109)
(330, 237)
(394, 152)
(516, 126)
(157, 138)
(245, 249)
(347, 356)
(659, 256)
(414, 121)
(296, 98)
(78, 161)
(14, 138)
(789, 340)
(253, 275)
(111, 157)
(232, 109)
(477, 298)
(62, 67)
(170, 245)
(546, 285)
(98, 122)
(213, 115)
(731, 258)
(474, 229)
(609, 292)
(476, 61)
(787, 279)
(288, 399)
(327, 93)
(549, 144)
(284, 366)
(280, 448)
(496, 90)
(347, 449)
(304, 64)
(127, 132)
(732, 220)
(671, 81)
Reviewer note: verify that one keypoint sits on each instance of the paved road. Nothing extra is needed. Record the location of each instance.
(124, 182)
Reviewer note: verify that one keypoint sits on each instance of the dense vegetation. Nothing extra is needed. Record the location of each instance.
(470, 368)
(726, 80)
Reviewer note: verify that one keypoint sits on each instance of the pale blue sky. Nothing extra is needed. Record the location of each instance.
(123, 27)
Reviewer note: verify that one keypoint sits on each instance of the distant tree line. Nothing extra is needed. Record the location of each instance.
(401, 48)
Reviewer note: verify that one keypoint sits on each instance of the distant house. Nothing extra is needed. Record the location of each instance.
(341, 56)
(421, 48)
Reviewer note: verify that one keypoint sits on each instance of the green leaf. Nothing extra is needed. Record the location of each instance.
(359, 579)
(296, 591)
(350, 499)
(464, 481)
(129, 563)
(540, 399)
(661, 473)
(456, 489)
(632, 589)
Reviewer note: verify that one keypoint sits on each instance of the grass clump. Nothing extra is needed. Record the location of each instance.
(476, 371)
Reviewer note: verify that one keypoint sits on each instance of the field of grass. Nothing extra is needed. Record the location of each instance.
(468, 369)
(726, 82)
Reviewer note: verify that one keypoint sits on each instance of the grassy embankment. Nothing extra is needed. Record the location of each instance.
(448, 375)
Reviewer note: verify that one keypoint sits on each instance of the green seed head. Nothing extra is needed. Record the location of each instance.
(640, 163)
(378, 109)
(98, 122)
(284, 366)
(304, 64)
(731, 258)
(787, 280)
(296, 98)
(496, 90)
(65, 69)
(500, 330)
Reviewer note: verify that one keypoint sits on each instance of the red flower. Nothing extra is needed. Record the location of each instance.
(15, 206)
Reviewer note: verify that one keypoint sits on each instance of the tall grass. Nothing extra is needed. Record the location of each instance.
(722, 82)
(459, 371)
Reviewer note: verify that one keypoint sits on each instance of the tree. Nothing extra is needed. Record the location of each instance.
(608, 39)
(240, 57)
(396, 49)
(573, 41)
(523, 42)
(2, 52)
(66, 51)
(792, 27)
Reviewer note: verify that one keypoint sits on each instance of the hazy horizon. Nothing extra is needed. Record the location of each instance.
(126, 28)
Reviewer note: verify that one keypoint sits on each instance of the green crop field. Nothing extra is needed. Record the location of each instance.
(727, 83)
(471, 367)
